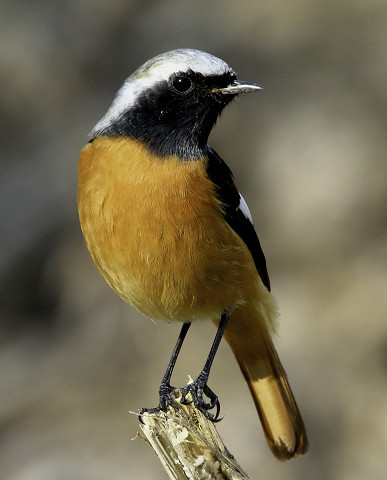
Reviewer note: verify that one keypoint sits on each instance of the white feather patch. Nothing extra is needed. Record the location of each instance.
(245, 209)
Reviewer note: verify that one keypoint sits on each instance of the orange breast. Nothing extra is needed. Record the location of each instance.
(155, 231)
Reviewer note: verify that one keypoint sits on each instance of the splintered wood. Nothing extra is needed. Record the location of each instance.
(188, 445)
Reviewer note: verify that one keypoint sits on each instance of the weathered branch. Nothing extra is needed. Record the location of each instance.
(188, 445)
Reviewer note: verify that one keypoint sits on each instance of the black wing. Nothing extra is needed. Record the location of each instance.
(220, 174)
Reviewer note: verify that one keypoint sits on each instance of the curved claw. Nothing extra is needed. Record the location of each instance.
(166, 400)
(143, 410)
(214, 400)
(197, 389)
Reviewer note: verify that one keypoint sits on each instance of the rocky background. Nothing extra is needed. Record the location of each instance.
(309, 155)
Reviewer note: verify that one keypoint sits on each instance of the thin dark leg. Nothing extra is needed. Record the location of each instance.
(165, 386)
(218, 337)
(199, 386)
(165, 382)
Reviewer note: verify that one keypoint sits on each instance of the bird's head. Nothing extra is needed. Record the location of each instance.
(172, 102)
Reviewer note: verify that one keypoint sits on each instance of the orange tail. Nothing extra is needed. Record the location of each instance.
(281, 420)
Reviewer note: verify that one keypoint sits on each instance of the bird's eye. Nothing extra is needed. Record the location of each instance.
(181, 84)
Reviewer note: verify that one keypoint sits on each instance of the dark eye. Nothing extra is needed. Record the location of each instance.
(181, 84)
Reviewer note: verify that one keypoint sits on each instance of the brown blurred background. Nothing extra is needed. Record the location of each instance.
(309, 155)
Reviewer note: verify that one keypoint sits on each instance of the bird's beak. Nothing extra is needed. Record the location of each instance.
(238, 87)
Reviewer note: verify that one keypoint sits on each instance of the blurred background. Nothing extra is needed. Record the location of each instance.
(309, 155)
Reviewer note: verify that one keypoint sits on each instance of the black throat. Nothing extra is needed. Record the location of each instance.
(169, 123)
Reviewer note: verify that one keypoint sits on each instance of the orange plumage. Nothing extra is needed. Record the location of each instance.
(155, 230)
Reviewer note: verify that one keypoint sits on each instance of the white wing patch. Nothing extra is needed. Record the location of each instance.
(245, 209)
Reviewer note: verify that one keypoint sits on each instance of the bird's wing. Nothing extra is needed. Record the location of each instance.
(235, 211)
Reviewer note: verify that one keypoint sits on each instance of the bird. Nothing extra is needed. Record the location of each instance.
(168, 229)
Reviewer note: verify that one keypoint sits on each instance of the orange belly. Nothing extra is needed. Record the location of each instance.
(156, 232)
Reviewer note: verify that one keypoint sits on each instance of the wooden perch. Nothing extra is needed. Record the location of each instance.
(188, 445)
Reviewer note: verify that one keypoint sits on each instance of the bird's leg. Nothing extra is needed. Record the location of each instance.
(165, 386)
(199, 387)
(165, 398)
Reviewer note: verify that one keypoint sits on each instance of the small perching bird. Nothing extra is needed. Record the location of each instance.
(169, 231)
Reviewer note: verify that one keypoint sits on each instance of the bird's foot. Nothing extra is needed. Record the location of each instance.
(197, 389)
(166, 400)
